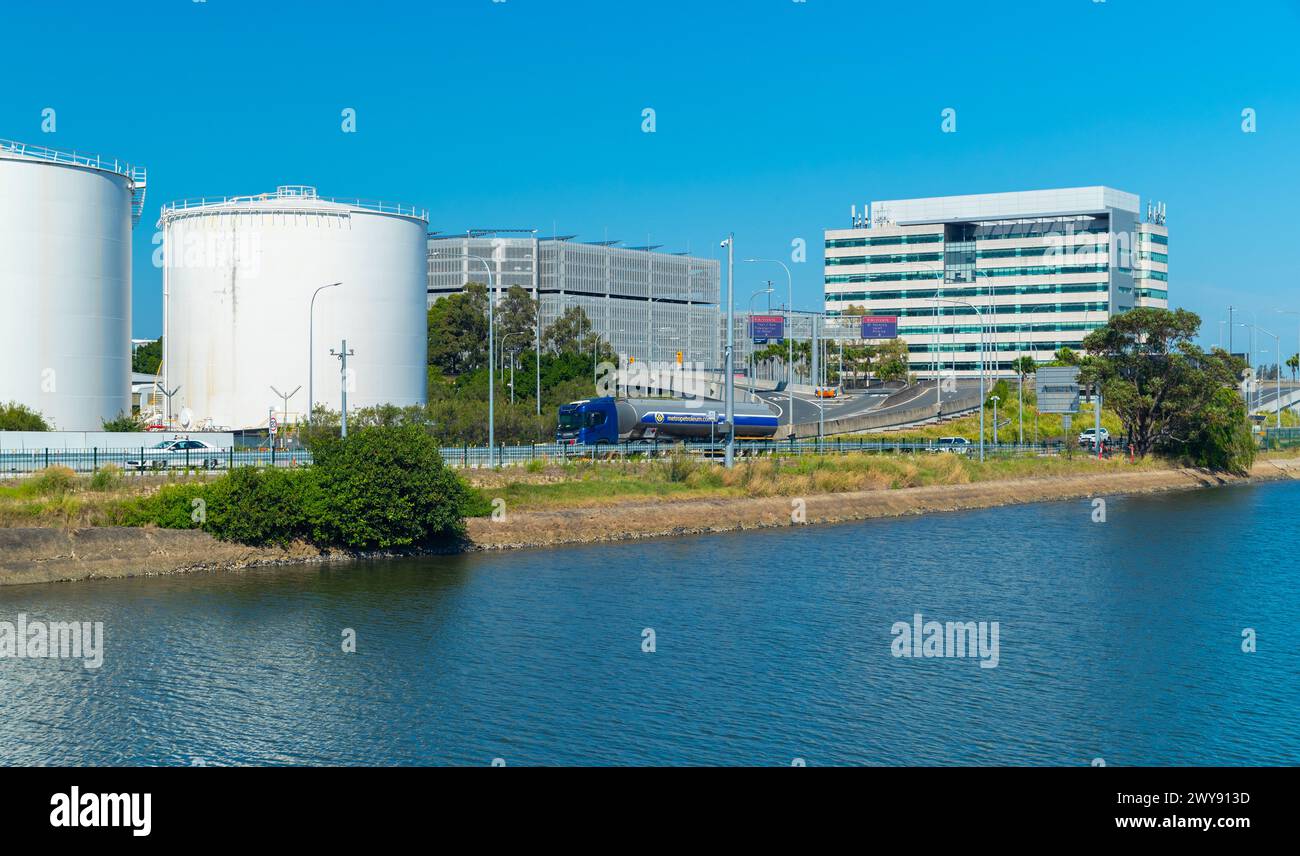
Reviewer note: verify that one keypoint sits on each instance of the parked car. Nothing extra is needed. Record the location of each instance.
(956, 445)
(1087, 437)
(178, 453)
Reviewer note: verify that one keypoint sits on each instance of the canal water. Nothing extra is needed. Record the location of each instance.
(1119, 640)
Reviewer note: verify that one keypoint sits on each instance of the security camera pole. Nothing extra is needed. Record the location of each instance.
(730, 243)
(343, 355)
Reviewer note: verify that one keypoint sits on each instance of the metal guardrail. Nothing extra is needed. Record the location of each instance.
(1281, 438)
(73, 158)
(28, 461)
(199, 203)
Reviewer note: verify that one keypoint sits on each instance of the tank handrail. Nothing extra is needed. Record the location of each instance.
(364, 204)
(92, 161)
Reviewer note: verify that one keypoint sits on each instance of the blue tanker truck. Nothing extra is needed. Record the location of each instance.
(597, 421)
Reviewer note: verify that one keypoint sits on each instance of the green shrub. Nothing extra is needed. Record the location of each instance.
(106, 478)
(19, 417)
(253, 506)
(171, 507)
(54, 481)
(679, 465)
(385, 487)
(477, 503)
(380, 488)
(122, 423)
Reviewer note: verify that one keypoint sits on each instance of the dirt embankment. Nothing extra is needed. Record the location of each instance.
(627, 521)
(49, 555)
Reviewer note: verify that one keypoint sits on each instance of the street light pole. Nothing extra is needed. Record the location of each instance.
(492, 399)
(979, 315)
(730, 457)
(311, 348)
(789, 309)
(1277, 404)
(995, 399)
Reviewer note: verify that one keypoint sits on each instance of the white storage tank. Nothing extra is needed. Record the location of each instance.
(65, 282)
(240, 275)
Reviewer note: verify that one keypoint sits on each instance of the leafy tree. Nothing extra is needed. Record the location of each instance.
(1065, 357)
(458, 330)
(569, 332)
(147, 359)
(890, 360)
(1166, 390)
(516, 319)
(1024, 366)
(19, 417)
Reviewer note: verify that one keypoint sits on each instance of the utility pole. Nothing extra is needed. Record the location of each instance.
(343, 353)
(730, 458)
(995, 401)
(1096, 403)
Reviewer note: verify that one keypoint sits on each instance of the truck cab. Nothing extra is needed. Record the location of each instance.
(588, 423)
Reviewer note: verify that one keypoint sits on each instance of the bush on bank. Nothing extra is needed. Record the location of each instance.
(378, 489)
(384, 487)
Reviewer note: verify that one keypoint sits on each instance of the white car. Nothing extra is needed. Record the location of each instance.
(956, 445)
(179, 453)
(1087, 437)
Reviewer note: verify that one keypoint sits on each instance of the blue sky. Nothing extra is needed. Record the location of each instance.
(773, 116)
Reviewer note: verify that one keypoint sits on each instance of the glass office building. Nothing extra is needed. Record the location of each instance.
(1026, 273)
(648, 305)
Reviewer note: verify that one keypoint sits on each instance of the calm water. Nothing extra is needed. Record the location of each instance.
(1119, 640)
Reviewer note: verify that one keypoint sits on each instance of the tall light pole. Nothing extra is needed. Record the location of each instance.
(492, 399)
(730, 458)
(513, 354)
(995, 399)
(1278, 386)
(980, 315)
(789, 338)
(1292, 312)
(311, 349)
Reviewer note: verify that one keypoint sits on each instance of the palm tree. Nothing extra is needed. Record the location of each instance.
(1293, 363)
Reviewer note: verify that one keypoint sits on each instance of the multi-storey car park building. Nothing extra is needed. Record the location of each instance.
(648, 305)
(1027, 272)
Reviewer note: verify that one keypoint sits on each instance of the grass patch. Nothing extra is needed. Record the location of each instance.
(679, 477)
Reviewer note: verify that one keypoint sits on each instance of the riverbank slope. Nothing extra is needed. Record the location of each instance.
(36, 555)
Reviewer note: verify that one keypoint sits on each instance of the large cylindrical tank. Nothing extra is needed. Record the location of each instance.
(65, 283)
(240, 277)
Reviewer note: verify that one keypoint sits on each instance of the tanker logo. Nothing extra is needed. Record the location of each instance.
(659, 417)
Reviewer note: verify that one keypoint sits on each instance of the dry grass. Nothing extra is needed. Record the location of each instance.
(58, 497)
(588, 485)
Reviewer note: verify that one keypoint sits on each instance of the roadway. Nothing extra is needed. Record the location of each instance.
(853, 403)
